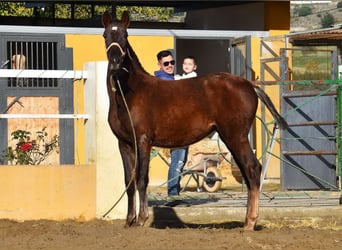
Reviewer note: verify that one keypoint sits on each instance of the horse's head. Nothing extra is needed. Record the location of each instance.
(115, 36)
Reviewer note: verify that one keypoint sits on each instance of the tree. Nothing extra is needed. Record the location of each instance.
(304, 11)
(83, 11)
(327, 20)
(147, 13)
(14, 9)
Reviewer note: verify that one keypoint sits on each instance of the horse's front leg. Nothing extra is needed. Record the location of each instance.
(127, 155)
(142, 181)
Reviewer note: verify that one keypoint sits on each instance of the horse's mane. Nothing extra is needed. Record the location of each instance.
(134, 57)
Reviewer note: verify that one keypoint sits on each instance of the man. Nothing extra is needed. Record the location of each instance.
(166, 65)
(178, 156)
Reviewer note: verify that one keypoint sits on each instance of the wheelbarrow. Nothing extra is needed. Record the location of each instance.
(204, 169)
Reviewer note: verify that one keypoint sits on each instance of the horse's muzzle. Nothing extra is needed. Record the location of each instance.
(114, 66)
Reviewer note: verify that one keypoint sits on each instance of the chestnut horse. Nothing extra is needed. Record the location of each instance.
(146, 111)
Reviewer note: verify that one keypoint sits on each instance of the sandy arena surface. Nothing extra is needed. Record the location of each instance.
(100, 234)
(280, 231)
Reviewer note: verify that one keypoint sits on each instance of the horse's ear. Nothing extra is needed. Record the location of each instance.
(106, 19)
(125, 19)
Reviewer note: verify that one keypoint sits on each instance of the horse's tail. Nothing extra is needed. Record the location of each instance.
(267, 101)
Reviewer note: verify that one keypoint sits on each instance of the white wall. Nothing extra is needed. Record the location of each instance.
(101, 145)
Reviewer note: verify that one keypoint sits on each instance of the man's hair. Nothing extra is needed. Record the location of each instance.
(163, 53)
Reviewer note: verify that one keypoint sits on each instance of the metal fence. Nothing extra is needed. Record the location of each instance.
(32, 55)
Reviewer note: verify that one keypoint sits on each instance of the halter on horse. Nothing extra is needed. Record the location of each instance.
(174, 114)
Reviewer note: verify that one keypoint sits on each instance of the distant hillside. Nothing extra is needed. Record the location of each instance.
(313, 21)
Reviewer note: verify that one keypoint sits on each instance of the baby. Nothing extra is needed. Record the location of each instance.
(189, 67)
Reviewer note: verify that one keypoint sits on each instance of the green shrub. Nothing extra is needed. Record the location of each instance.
(304, 11)
(327, 20)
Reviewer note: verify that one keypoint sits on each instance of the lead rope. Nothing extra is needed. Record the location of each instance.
(135, 147)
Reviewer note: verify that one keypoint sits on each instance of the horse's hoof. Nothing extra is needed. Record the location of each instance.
(141, 222)
(249, 227)
(130, 223)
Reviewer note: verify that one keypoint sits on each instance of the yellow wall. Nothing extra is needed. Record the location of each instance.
(85, 48)
(273, 91)
(89, 48)
(147, 47)
(48, 192)
(277, 22)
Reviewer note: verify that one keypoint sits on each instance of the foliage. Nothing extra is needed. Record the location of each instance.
(83, 11)
(311, 63)
(14, 9)
(327, 20)
(304, 11)
(30, 152)
(310, 75)
(147, 13)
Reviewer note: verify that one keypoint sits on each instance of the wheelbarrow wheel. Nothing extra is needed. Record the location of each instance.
(212, 181)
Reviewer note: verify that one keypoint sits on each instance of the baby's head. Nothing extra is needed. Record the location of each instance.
(189, 64)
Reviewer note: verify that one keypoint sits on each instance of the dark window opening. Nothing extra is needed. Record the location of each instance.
(34, 55)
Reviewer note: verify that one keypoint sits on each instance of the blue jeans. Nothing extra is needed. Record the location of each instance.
(178, 160)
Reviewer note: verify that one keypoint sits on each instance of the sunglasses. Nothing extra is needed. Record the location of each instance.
(170, 62)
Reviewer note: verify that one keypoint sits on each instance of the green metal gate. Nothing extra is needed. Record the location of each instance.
(310, 157)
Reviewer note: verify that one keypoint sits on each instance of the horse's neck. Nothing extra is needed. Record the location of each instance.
(134, 60)
(131, 69)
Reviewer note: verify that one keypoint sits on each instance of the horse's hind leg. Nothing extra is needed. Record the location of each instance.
(250, 169)
(127, 155)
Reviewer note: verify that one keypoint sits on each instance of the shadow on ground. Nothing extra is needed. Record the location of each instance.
(181, 201)
(166, 217)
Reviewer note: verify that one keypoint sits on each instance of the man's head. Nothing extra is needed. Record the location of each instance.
(165, 61)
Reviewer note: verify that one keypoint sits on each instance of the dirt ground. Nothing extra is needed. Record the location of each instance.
(100, 234)
(158, 234)
(285, 233)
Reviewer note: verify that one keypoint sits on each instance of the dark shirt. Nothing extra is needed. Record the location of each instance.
(162, 75)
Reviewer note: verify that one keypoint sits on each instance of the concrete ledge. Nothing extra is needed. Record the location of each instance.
(162, 217)
(229, 209)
